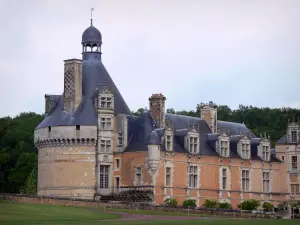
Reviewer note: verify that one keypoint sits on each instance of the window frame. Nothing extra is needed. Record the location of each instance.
(294, 163)
(224, 179)
(138, 176)
(168, 176)
(105, 145)
(105, 123)
(266, 180)
(245, 180)
(104, 176)
(193, 176)
(295, 189)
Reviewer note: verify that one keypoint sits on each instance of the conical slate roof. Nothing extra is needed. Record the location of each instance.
(94, 75)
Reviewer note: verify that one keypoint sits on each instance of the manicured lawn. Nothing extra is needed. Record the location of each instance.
(148, 212)
(12, 213)
(25, 213)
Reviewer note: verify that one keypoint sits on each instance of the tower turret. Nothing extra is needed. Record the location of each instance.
(91, 43)
(153, 151)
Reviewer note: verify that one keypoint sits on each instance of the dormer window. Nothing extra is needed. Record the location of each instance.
(245, 151)
(266, 152)
(224, 150)
(105, 98)
(106, 102)
(223, 145)
(264, 148)
(193, 145)
(244, 148)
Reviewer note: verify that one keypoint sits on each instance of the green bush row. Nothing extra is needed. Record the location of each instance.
(250, 204)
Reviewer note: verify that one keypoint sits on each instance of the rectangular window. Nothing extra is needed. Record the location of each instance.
(224, 179)
(168, 176)
(117, 163)
(282, 158)
(295, 189)
(120, 138)
(106, 102)
(294, 163)
(245, 180)
(266, 152)
(294, 136)
(266, 181)
(245, 151)
(193, 148)
(105, 145)
(117, 183)
(105, 123)
(138, 176)
(168, 143)
(104, 172)
(193, 176)
(224, 148)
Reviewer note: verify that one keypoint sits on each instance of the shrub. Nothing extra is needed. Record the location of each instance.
(250, 204)
(189, 203)
(268, 207)
(225, 205)
(210, 203)
(171, 202)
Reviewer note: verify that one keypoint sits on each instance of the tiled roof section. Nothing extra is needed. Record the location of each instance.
(94, 75)
(139, 128)
(153, 138)
(282, 140)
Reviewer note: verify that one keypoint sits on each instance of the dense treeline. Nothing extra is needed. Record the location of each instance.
(18, 155)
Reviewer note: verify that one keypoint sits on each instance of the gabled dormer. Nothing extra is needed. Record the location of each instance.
(264, 148)
(168, 136)
(223, 145)
(192, 139)
(244, 147)
(293, 132)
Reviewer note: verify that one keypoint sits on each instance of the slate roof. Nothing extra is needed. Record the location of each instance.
(94, 75)
(139, 129)
(282, 140)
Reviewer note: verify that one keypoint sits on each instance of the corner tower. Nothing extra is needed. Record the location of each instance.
(71, 156)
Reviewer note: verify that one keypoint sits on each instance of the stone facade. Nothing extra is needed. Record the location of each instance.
(289, 152)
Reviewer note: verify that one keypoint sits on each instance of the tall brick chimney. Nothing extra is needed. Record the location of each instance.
(157, 108)
(72, 84)
(208, 112)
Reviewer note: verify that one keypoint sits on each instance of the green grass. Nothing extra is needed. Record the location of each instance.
(12, 213)
(26, 213)
(148, 212)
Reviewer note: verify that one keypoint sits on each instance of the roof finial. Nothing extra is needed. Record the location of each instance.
(92, 9)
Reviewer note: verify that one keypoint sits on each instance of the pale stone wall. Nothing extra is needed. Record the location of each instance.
(65, 132)
(66, 161)
(67, 172)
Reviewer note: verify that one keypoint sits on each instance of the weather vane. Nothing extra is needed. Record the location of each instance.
(92, 9)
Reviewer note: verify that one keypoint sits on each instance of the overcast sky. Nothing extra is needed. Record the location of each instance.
(229, 51)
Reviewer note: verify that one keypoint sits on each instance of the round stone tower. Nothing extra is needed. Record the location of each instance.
(67, 138)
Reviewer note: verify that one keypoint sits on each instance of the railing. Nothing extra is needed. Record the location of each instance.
(134, 193)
